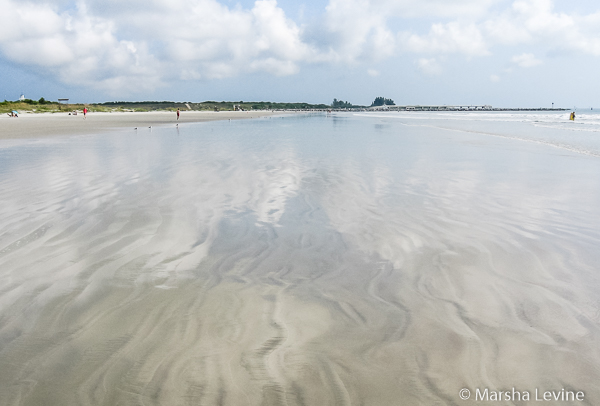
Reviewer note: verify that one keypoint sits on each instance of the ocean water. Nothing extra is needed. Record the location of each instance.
(548, 128)
(373, 258)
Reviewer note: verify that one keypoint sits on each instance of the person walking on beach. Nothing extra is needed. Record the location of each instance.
(85, 110)
(572, 116)
(177, 114)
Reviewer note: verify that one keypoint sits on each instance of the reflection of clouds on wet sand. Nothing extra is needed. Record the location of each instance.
(494, 278)
(222, 270)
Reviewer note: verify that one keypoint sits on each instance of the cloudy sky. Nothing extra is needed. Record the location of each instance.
(499, 52)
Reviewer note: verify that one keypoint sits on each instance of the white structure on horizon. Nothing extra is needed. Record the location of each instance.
(22, 97)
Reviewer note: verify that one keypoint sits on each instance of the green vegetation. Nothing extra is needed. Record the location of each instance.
(31, 105)
(380, 101)
(210, 105)
(43, 106)
(339, 104)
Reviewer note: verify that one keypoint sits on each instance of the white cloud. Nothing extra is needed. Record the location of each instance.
(201, 39)
(429, 66)
(452, 37)
(358, 30)
(526, 60)
(77, 48)
(274, 66)
(536, 22)
(495, 78)
(127, 46)
(217, 42)
(474, 29)
(361, 27)
(415, 9)
(373, 72)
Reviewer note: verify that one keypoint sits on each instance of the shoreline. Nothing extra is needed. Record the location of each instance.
(43, 125)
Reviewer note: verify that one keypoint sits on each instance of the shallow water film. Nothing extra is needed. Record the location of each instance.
(375, 259)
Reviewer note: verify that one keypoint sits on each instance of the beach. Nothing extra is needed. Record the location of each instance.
(342, 259)
(31, 125)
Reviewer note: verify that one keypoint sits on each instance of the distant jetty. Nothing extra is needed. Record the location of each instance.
(461, 108)
(427, 108)
(447, 108)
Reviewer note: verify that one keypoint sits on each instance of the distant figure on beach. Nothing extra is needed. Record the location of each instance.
(572, 117)
(85, 110)
(177, 114)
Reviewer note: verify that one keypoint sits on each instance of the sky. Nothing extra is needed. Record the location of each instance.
(506, 53)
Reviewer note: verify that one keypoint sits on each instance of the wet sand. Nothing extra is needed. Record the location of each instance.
(302, 261)
(63, 124)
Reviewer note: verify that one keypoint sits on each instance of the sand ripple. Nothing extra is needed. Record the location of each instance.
(302, 261)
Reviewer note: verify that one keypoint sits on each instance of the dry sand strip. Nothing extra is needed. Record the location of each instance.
(63, 124)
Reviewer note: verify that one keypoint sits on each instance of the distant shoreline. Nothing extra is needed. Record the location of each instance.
(44, 106)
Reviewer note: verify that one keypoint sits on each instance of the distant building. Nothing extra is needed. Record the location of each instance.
(22, 97)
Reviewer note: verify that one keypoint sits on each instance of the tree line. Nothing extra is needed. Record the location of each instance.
(382, 101)
(379, 101)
